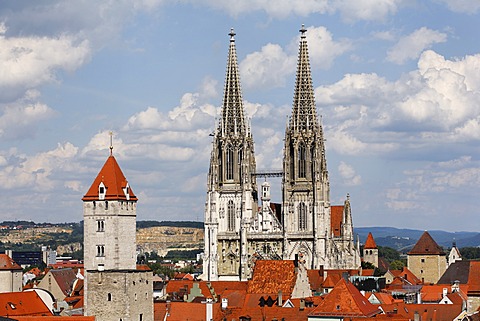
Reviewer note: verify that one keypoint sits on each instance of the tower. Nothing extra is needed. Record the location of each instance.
(426, 259)
(114, 288)
(370, 250)
(231, 186)
(311, 229)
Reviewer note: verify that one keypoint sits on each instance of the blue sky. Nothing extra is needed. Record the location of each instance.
(397, 84)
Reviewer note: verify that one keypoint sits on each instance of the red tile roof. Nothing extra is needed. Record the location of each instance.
(426, 246)
(345, 300)
(370, 242)
(269, 277)
(6, 263)
(13, 304)
(112, 177)
(65, 279)
(55, 318)
(336, 214)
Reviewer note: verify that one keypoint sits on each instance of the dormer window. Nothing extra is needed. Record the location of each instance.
(126, 191)
(102, 191)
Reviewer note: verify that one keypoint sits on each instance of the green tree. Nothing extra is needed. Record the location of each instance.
(388, 253)
(397, 265)
(470, 253)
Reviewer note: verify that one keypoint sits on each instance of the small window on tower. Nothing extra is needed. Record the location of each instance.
(102, 191)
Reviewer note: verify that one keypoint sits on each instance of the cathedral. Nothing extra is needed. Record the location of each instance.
(240, 229)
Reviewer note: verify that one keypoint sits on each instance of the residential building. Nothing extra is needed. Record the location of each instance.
(237, 230)
(454, 254)
(10, 275)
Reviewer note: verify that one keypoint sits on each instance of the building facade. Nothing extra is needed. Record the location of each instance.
(426, 259)
(238, 228)
(114, 288)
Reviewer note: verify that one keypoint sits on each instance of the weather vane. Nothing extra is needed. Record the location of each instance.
(111, 142)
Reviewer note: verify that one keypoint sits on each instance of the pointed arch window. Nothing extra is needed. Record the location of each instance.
(302, 217)
(240, 160)
(302, 161)
(230, 162)
(231, 216)
(220, 163)
(292, 162)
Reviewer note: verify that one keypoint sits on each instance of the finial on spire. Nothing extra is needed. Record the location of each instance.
(232, 35)
(111, 142)
(303, 30)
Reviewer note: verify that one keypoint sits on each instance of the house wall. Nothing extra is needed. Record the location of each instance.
(50, 284)
(10, 281)
(428, 268)
(119, 295)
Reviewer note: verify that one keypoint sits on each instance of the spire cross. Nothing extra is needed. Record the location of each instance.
(303, 31)
(232, 35)
(111, 142)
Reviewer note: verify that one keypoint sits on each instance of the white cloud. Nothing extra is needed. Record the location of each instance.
(20, 119)
(437, 104)
(462, 6)
(347, 172)
(27, 62)
(412, 45)
(350, 10)
(39, 172)
(267, 68)
(270, 67)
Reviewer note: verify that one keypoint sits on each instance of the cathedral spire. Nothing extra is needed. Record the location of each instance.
(233, 119)
(304, 115)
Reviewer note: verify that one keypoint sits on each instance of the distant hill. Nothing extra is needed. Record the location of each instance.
(192, 224)
(404, 239)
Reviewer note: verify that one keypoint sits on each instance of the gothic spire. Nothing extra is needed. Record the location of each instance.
(233, 120)
(304, 114)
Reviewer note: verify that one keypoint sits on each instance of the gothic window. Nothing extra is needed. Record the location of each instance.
(231, 216)
(292, 162)
(302, 217)
(220, 163)
(240, 159)
(230, 162)
(302, 161)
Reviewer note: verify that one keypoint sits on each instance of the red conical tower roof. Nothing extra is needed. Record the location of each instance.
(115, 182)
(370, 242)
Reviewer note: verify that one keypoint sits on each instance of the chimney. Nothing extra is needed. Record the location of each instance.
(280, 298)
(302, 304)
(444, 292)
(224, 303)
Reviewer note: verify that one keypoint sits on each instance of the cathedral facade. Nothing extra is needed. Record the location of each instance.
(238, 228)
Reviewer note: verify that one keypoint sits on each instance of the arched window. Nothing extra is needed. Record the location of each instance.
(292, 162)
(230, 162)
(302, 161)
(109, 297)
(302, 216)
(220, 163)
(231, 216)
(240, 159)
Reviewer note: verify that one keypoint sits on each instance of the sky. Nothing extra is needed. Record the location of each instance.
(397, 85)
